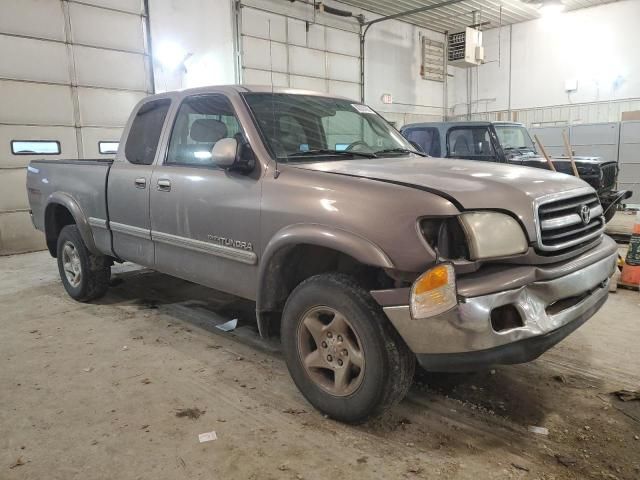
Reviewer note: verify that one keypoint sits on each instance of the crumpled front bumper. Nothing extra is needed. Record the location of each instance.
(465, 338)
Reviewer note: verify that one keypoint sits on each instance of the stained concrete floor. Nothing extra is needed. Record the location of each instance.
(91, 391)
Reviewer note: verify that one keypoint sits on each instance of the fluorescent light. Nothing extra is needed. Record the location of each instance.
(551, 8)
(170, 55)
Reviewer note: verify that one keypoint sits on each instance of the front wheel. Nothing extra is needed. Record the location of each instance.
(85, 276)
(341, 351)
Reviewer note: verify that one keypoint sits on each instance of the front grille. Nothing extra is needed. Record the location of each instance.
(561, 220)
(609, 171)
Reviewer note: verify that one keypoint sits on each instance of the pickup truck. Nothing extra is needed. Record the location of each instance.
(510, 142)
(362, 254)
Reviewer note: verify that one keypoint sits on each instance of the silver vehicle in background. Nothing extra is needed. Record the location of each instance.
(361, 253)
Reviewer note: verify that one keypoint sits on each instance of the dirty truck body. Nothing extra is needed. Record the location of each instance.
(362, 254)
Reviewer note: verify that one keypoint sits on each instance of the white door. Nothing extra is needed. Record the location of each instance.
(70, 74)
(287, 51)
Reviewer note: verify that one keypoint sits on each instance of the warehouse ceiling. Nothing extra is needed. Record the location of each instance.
(457, 16)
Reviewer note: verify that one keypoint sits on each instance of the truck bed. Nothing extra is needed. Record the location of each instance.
(81, 181)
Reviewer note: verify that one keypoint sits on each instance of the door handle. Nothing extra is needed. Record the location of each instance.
(140, 182)
(164, 184)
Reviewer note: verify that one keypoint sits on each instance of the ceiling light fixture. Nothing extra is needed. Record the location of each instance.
(551, 8)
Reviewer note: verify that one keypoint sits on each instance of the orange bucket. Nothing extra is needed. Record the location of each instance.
(631, 270)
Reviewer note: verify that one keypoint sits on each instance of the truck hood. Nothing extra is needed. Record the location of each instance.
(470, 185)
(579, 159)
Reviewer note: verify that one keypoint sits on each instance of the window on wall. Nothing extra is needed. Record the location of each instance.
(108, 148)
(202, 121)
(142, 141)
(35, 147)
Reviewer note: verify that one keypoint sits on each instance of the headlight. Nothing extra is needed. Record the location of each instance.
(434, 292)
(493, 234)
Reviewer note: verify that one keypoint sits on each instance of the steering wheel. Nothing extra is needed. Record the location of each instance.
(357, 143)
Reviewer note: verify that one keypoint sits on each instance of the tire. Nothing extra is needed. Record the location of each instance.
(377, 368)
(77, 264)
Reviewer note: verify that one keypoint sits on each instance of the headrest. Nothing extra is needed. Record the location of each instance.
(208, 130)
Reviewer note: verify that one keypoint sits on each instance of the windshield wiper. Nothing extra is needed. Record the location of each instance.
(328, 151)
(402, 150)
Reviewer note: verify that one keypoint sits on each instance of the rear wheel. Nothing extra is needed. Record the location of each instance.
(341, 351)
(85, 276)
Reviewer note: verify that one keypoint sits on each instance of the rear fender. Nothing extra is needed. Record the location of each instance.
(67, 201)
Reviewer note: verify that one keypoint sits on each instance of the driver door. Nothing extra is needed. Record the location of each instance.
(205, 220)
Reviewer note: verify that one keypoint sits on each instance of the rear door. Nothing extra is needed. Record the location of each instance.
(205, 220)
(129, 184)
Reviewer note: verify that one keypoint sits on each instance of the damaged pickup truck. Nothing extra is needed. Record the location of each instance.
(360, 253)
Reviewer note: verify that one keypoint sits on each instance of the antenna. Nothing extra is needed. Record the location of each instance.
(276, 172)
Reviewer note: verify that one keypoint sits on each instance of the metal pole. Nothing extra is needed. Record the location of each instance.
(445, 91)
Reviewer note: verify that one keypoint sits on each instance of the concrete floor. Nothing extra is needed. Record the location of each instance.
(91, 391)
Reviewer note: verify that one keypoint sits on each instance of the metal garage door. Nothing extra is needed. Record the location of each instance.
(70, 73)
(289, 52)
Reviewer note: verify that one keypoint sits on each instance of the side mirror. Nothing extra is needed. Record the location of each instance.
(224, 153)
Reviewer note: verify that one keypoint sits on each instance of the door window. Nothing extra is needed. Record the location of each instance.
(427, 137)
(202, 121)
(144, 134)
(472, 142)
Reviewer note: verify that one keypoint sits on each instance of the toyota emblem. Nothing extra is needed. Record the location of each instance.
(585, 214)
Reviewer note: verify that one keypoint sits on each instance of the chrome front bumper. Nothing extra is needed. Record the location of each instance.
(468, 328)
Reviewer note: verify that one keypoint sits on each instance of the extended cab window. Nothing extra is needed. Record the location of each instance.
(201, 121)
(427, 137)
(470, 142)
(142, 141)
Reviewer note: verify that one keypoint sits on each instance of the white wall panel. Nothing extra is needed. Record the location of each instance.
(629, 153)
(630, 131)
(65, 135)
(263, 54)
(106, 108)
(262, 77)
(105, 28)
(36, 18)
(31, 103)
(18, 235)
(298, 35)
(107, 68)
(595, 133)
(339, 41)
(91, 137)
(308, 83)
(264, 25)
(342, 67)
(37, 60)
(12, 186)
(345, 89)
(304, 61)
(133, 6)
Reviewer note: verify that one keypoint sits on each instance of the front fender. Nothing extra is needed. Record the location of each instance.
(78, 215)
(269, 288)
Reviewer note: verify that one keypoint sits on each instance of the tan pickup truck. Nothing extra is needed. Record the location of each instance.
(362, 254)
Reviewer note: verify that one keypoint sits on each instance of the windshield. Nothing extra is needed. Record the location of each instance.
(514, 137)
(299, 127)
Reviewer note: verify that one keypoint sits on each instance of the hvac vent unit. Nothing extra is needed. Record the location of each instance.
(465, 48)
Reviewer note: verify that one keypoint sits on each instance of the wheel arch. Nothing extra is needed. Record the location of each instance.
(330, 249)
(63, 210)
